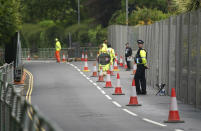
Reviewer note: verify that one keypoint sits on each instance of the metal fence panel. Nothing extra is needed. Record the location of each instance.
(172, 53)
(198, 82)
(184, 59)
(193, 41)
(165, 56)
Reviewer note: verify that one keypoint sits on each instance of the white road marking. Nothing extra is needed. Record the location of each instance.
(117, 104)
(103, 92)
(179, 130)
(84, 75)
(91, 81)
(153, 122)
(78, 70)
(98, 87)
(108, 97)
(87, 78)
(129, 112)
(95, 84)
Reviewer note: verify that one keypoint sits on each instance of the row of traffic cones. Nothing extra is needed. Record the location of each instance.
(173, 113)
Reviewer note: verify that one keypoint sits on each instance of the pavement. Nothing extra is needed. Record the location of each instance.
(74, 100)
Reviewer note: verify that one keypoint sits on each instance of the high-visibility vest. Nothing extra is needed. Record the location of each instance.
(58, 46)
(111, 52)
(103, 49)
(141, 57)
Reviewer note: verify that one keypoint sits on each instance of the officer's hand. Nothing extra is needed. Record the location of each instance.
(146, 67)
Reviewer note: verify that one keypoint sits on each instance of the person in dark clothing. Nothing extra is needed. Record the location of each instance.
(141, 61)
(128, 54)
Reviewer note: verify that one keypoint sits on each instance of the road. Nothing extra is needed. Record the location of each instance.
(76, 103)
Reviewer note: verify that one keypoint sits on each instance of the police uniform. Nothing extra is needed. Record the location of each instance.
(141, 61)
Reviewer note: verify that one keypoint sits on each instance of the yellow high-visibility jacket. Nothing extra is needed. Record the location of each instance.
(104, 48)
(112, 53)
(143, 55)
(58, 46)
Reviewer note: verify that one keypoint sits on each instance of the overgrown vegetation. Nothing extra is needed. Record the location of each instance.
(41, 21)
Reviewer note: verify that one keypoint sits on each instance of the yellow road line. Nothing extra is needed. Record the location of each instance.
(30, 89)
(29, 92)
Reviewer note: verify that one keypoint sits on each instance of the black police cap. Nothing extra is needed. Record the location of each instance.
(140, 42)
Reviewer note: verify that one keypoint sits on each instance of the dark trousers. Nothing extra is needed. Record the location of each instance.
(140, 79)
(128, 63)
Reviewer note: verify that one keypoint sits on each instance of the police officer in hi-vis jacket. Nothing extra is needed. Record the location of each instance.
(141, 61)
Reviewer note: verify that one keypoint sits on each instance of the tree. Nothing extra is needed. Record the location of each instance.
(181, 6)
(10, 19)
(57, 10)
(146, 16)
(134, 4)
(102, 10)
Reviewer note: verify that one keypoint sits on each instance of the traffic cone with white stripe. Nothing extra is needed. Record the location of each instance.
(28, 58)
(82, 59)
(94, 74)
(108, 83)
(86, 57)
(64, 58)
(100, 77)
(86, 69)
(117, 58)
(173, 113)
(134, 68)
(116, 66)
(125, 65)
(133, 98)
(118, 90)
(111, 70)
(121, 62)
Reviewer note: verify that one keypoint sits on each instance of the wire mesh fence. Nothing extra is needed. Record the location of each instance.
(49, 53)
(16, 114)
(174, 53)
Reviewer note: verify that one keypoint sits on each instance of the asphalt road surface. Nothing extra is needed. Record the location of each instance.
(72, 100)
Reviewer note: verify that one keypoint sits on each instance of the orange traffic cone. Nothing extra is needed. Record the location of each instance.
(134, 68)
(86, 57)
(125, 65)
(108, 83)
(117, 58)
(116, 66)
(86, 69)
(100, 78)
(121, 61)
(94, 74)
(111, 70)
(133, 97)
(82, 59)
(118, 90)
(64, 58)
(28, 58)
(173, 113)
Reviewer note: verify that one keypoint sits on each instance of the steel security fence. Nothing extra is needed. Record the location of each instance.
(174, 53)
(16, 114)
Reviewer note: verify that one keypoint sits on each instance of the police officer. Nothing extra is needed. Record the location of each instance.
(141, 61)
(128, 54)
